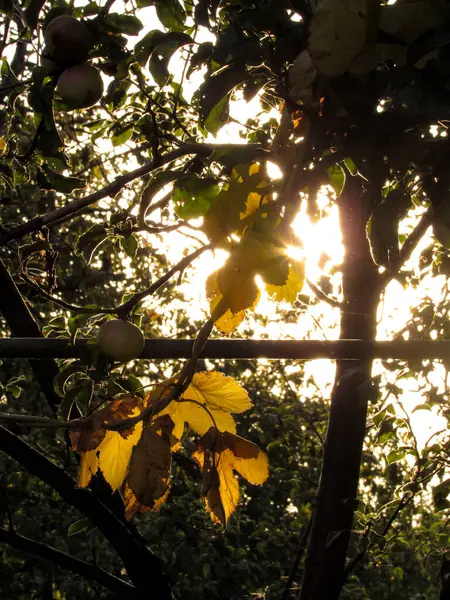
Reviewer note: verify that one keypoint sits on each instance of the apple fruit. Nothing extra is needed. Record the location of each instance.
(68, 40)
(120, 340)
(80, 86)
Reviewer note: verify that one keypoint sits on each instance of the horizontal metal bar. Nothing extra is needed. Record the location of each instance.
(37, 348)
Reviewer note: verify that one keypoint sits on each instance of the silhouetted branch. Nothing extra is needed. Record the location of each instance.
(61, 559)
(112, 189)
(22, 324)
(142, 566)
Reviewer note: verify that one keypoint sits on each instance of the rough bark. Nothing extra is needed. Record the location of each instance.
(338, 487)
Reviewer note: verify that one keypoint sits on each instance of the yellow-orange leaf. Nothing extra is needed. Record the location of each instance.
(228, 321)
(92, 432)
(151, 463)
(239, 446)
(112, 455)
(222, 497)
(237, 287)
(132, 504)
(293, 286)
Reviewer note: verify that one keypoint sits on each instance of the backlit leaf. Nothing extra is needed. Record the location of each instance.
(113, 453)
(228, 321)
(218, 391)
(337, 178)
(338, 34)
(197, 418)
(193, 196)
(230, 204)
(220, 486)
(219, 394)
(151, 462)
(171, 14)
(237, 287)
(218, 116)
(293, 286)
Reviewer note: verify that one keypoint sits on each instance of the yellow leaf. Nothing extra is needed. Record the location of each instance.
(293, 286)
(218, 391)
(238, 287)
(228, 321)
(254, 470)
(91, 433)
(197, 418)
(222, 496)
(111, 456)
(150, 466)
(132, 504)
(239, 446)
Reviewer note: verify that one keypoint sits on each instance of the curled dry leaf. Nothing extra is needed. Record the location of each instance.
(151, 463)
(92, 432)
(220, 486)
(133, 506)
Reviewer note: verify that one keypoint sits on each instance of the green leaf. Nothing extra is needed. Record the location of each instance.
(75, 323)
(51, 180)
(129, 245)
(382, 229)
(128, 24)
(171, 14)
(79, 527)
(7, 7)
(193, 195)
(87, 244)
(132, 384)
(351, 166)
(32, 12)
(337, 179)
(62, 378)
(421, 407)
(159, 62)
(156, 184)
(218, 116)
(395, 455)
(14, 390)
(337, 35)
(215, 90)
(122, 137)
(147, 44)
(384, 437)
(441, 495)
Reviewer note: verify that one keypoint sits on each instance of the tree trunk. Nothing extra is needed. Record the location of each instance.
(336, 500)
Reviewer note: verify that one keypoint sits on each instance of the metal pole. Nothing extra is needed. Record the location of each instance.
(239, 349)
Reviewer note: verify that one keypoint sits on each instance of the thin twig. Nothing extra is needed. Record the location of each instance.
(128, 306)
(409, 246)
(320, 294)
(112, 189)
(297, 559)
